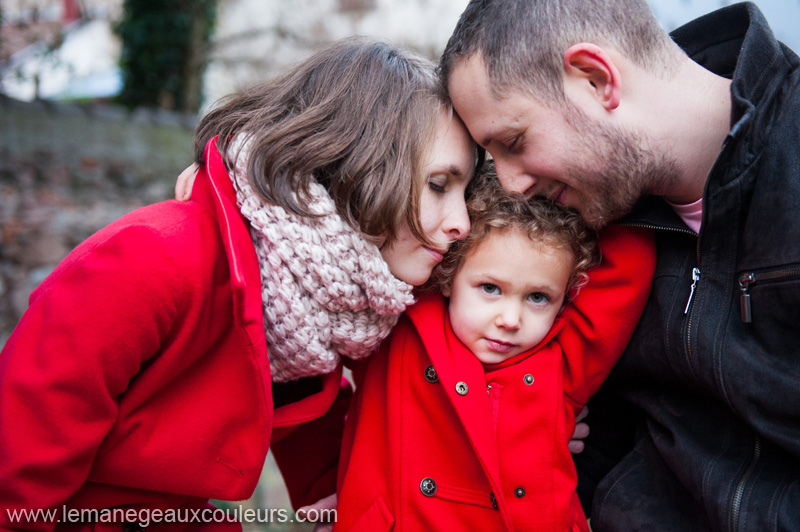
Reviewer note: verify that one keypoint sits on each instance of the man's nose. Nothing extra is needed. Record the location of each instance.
(513, 178)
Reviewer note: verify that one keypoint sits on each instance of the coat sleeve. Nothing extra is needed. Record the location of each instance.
(89, 328)
(601, 319)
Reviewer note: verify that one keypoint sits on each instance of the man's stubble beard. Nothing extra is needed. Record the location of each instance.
(618, 166)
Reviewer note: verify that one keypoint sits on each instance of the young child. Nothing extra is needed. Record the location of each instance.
(462, 420)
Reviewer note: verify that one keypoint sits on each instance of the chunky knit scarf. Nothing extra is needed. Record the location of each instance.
(326, 289)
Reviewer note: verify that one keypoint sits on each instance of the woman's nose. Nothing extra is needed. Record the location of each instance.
(456, 223)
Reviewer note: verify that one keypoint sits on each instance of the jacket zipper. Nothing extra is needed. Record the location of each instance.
(746, 280)
(695, 278)
(738, 493)
(658, 227)
(689, 308)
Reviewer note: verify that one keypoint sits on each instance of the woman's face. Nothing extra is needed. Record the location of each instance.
(443, 211)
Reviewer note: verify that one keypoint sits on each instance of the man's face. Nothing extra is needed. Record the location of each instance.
(563, 154)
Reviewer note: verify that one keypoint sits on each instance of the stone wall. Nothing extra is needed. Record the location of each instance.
(68, 170)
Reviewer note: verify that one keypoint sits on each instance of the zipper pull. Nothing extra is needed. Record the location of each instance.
(695, 278)
(744, 300)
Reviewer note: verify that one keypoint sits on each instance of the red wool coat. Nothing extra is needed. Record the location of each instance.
(139, 375)
(435, 441)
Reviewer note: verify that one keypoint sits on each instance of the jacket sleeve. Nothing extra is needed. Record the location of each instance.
(89, 328)
(601, 319)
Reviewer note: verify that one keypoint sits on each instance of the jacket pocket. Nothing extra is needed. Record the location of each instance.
(466, 496)
(751, 281)
(377, 518)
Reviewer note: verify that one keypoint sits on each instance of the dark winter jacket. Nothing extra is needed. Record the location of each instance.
(714, 364)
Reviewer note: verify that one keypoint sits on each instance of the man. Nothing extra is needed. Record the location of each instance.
(590, 103)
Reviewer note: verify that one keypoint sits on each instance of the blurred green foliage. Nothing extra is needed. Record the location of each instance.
(164, 49)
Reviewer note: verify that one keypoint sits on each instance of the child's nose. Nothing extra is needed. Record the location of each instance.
(509, 317)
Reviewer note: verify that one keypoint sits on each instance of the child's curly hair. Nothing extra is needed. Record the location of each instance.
(493, 209)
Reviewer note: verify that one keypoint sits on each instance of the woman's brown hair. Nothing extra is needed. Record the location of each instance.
(358, 117)
(493, 209)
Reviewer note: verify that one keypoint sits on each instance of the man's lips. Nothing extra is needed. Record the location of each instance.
(499, 345)
(559, 195)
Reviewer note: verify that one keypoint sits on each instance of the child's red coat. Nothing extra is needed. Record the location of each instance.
(471, 449)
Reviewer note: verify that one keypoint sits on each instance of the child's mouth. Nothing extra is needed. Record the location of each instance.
(499, 346)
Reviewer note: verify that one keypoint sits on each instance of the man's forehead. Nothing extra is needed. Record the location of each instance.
(468, 71)
(470, 91)
(486, 115)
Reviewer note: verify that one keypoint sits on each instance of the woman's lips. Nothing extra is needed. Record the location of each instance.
(435, 253)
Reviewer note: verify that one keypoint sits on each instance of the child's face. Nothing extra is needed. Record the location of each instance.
(507, 294)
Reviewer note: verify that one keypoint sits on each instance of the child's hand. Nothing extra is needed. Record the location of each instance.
(581, 431)
(183, 188)
(326, 503)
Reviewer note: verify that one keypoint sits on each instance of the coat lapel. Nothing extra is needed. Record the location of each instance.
(456, 366)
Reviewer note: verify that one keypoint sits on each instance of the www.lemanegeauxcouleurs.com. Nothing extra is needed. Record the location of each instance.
(146, 516)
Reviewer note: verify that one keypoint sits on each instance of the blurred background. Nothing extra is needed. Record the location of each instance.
(98, 100)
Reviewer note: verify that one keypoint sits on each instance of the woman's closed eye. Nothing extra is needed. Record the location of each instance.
(437, 185)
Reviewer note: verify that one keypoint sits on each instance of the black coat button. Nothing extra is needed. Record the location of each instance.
(528, 379)
(428, 487)
(430, 374)
(519, 492)
(493, 499)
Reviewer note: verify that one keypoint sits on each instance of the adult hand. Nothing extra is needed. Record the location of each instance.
(581, 431)
(318, 511)
(183, 187)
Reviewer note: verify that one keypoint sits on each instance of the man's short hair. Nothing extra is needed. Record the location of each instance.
(522, 42)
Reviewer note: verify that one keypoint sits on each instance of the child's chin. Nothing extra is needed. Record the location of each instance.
(493, 358)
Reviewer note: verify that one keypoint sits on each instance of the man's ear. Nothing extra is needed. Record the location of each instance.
(589, 68)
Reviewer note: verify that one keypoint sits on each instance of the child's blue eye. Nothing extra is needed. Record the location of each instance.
(490, 288)
(538, 298)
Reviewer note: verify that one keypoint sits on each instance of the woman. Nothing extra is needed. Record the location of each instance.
(139, 378)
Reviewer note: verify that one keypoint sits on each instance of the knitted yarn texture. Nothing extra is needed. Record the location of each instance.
(326, 290)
